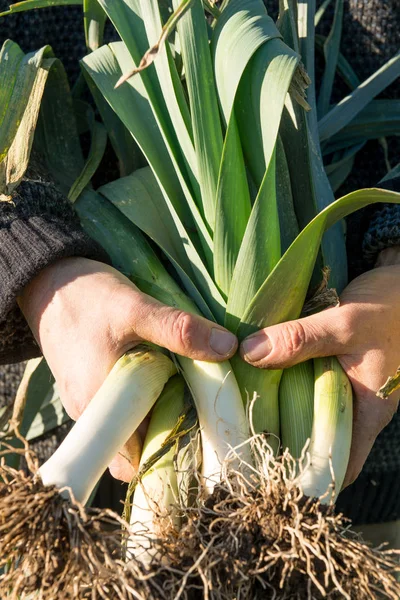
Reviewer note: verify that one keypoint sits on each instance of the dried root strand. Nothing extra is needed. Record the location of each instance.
(256, 537)
(51, 545)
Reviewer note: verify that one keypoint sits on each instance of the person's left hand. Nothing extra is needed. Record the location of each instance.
(363, 331)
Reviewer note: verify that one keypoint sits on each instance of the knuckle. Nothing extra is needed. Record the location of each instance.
(186, 329)
(293, 338)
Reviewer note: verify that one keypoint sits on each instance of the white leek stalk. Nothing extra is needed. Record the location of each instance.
(329, 449)
(157, 493)
(222, 417)
(113, 414)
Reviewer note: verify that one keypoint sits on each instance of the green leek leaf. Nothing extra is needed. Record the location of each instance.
(339, 116)
(32, 4)
(331, 52)
(281, 297)
(207, 133)
(94, 20)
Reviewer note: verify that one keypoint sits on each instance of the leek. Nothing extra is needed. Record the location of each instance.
(113, 414)
(329, 450)
(156, 494)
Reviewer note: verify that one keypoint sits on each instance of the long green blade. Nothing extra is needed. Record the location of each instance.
(18, 76)
(172, 89)
(333, 244)
(134, 196)
(127, 151)
(379, 119)
(32, 4)
(95, 156)
(18, 127)
(94, 19)
(352, 105)
(282, 295)
(233, 208)
(259, 252)
(344, 69)
(136, 110)
(207, 133)
(241, 29)
(331, 52)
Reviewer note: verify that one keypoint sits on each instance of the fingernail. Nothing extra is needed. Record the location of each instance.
(256, 347)
(222, 342)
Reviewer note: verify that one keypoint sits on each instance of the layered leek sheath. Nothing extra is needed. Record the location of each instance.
(113, 414)
(156, 495)
(222, 417)
(328, 454)
(296, 407)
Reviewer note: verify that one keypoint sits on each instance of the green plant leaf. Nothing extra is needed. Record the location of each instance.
(344, 69)
(281, 297)
(339, 116)
(321, 11)
(172, 90)
(199, 77)
(56, 135)
(140, 199)
(42, 410)
(131, 254)
(331, 53)
(98, 145)
(243, 27)
(127, 151)
(261, 239)
(379, 118)
(20, 110)
(333, 249)
(288, 225)
(19, 73)
(287, 23)
(32, 4)
(233, 208)
(126, 16)
(94, 20)
(132, 105)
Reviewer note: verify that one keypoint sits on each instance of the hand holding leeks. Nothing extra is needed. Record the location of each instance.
(363, 332)
(85, 315)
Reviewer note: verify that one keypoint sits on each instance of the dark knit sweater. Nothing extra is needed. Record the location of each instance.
(40, 226)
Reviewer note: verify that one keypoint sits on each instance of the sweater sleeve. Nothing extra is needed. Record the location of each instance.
(384, 227)
(37, 227)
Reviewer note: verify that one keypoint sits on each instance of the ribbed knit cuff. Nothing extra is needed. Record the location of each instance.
(383, 232)
(384, 228)
(38, 226)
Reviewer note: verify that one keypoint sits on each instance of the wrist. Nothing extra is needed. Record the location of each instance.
(388, 257)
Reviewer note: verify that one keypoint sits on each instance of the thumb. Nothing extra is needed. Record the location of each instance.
(284, 345)
(181, 332)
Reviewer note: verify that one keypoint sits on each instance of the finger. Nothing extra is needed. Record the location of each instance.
(285, 345)
(181, 332)
(126, 463)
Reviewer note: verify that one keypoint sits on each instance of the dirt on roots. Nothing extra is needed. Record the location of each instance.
(255, 537)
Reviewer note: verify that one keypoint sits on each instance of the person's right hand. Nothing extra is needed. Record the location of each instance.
(85, 315)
